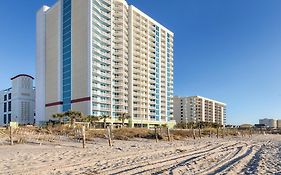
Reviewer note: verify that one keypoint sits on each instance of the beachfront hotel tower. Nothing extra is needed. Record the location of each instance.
(103, 57)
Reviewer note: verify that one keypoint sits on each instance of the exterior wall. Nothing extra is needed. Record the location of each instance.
(183, 109)
(196, 108)
(53, 81)
(177, 110)
(40, 63)
(50, 110)
(80, 77)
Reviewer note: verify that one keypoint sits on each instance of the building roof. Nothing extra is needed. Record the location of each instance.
(197, 96)
(22, 75)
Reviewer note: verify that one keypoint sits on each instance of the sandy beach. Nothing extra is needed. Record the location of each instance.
(260, 154)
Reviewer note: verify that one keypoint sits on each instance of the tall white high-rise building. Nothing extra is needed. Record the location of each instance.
(150, 67)
(197, 109)
(103, 57)
(17, 103)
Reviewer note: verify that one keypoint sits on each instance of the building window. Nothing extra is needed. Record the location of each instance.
(10, 96)
(5, 97)
(5, 107)
(66, 44)
(9, 106)
(5, 119)
(9, 118)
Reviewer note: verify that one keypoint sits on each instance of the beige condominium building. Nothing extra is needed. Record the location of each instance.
(103, 57)
(197, 108)
(271, 123)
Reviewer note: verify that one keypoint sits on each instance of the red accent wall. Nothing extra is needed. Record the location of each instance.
(81, 100)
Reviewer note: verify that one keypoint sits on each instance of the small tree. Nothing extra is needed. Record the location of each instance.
(73, 116)
(105, 117)
(164, 125)
(191, 125)
(122, 117)
(59, 116)
(92, 119)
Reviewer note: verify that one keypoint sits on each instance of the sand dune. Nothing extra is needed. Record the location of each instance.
(257, 155)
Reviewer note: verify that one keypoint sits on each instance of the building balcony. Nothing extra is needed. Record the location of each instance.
(97, 9)
(98, 45)
(96, 108)
(117, 65)
(120, 103)
(118, 34)
(120, 97)
(97, 100)
(101, 60)
(98, 79)
(98, 86)
(153, 81)
(152, 54)
(118, 52)
(97, 51)
(152, 71)
(102, 40)
(101, 26)
(98, 93)
(101, 3)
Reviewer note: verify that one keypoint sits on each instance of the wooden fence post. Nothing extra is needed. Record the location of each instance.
(249, 133)
(226, 131)
(169, 135)
(156, 134)
(199, 130)
(11, 135)
(84, 136)
(217, 132)
(193, 133)
(109, 136)
(222, 132)
(209, 133)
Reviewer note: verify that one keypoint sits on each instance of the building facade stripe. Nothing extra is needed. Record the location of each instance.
(81, 100)
(54, 104)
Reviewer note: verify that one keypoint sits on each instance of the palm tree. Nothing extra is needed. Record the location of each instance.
(92, 119)
(122, 117)
(58, 116)
(190, 125)
(105, 117)
(215, 125)
(73, 116)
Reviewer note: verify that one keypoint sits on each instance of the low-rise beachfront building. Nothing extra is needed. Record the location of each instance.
(279, 123)
(17, 104)
(197, 108)
(270, 123)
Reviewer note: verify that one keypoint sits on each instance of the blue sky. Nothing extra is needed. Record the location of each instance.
(229, 50)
